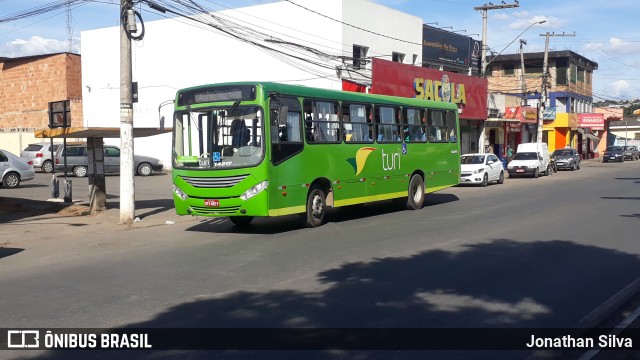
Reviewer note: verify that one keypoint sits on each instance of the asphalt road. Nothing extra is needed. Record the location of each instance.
(531, 253)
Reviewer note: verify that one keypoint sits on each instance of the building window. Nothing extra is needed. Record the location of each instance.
(573, 73)
(534, 68)
(359, 56)
(397, 57)
(581, 74)
(561, 72)
(509, 69)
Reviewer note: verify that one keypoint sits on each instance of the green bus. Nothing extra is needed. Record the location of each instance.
(266, 149)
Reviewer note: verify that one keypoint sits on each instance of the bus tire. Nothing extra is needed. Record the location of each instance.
(415, 200)
(241, 221)
(316, 205)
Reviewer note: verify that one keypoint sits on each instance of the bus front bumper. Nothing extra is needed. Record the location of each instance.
(235, 206)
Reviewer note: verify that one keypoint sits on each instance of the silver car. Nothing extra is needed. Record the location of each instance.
(13, 169)
(40, 154)
(78, 163)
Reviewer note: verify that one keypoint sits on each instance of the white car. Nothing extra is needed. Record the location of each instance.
(480, 169)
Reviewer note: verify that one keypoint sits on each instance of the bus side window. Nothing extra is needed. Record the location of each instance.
(437, 126)
(321, 121)
(358, 125)
(388, 122)
(414, 128)
(452, 126)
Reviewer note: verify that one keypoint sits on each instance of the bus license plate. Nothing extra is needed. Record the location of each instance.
(212, 203)
(519, 170)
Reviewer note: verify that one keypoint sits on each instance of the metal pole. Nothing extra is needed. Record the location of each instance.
(543, 99)
(484, 43)
(523, 86)
(127, 200)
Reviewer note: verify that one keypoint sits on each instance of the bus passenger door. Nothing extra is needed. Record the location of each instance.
(287, 172)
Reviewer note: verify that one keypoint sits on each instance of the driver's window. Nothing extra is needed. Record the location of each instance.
(286, 127)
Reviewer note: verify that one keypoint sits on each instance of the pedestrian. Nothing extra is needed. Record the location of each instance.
(509, 153)
(490, 149)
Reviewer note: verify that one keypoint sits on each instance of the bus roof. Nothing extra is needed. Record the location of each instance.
(304, 91)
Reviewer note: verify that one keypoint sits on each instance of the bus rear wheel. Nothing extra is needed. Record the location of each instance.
(316, 205)
(415, 199)
(241, 220)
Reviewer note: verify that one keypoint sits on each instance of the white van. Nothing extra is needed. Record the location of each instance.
(531, 159)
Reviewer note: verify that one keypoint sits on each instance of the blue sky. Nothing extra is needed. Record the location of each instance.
(607, 32)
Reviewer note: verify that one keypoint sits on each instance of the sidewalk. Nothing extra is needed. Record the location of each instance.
(152, 213)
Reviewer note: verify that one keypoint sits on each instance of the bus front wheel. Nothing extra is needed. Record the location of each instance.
(241, 220)
(315, 207)
(416, 193)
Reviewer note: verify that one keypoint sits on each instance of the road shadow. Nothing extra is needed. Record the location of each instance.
(283, 224)
(14, 210)
(503, 284)
(154, 206)
(621, 197)
(7, 251)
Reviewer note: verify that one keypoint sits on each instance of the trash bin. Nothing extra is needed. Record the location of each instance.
(504, 162)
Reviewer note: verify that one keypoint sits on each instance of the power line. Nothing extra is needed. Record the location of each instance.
(353, 26)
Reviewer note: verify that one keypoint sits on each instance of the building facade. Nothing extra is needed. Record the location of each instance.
(27, 86)
(568, 116)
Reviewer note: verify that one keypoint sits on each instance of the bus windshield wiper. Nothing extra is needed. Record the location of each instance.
(234, 106)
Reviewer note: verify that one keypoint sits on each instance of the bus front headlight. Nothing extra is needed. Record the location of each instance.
(254, 190)
(180, 193)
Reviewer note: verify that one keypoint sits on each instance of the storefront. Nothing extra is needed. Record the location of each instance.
(590, 131)
(562, 131)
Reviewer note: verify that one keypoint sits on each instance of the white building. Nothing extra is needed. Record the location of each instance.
(312, 44)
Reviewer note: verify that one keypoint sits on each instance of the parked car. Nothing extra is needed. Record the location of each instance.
(78, 163)
(480, 169)
(40, 154)
(631, 153)
(14, 169)
(566, 158)
(613, 153)
(532, 159)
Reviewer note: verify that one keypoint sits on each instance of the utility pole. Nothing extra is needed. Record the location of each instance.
(483, 10)
(545, 74)
(127, 200)
(523, 86)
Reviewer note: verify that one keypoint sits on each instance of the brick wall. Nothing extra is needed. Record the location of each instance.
(28, 84)
(501, 83)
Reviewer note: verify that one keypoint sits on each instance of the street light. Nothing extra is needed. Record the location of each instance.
(516, 38)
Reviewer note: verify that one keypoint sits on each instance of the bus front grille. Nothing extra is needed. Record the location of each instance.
(218, 182)
(204, 210)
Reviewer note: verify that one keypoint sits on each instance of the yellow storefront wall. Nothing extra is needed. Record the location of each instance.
(559, 130)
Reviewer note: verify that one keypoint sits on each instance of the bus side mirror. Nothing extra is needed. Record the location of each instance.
(162, 124)
(282, 115)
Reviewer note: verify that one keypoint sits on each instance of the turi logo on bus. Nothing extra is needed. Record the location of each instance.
(439, 90)
(212, 203)
(389, 161)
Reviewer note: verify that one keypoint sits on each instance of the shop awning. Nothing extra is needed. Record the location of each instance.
(502, 119)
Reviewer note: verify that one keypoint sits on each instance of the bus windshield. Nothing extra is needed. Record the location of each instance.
(218, 137)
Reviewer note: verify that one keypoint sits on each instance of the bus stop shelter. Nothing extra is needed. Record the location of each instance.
(95, 153)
